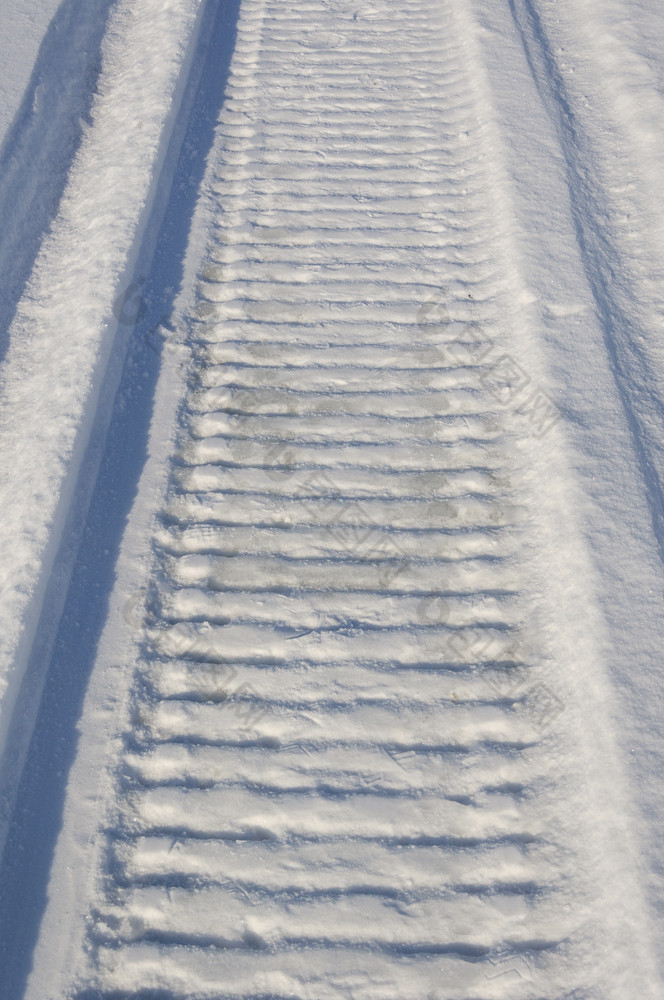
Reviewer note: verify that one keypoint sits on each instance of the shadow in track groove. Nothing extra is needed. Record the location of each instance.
(43, 140)
(98, 521)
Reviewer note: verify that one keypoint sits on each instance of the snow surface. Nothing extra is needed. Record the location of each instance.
(332, 585)
(67, 340)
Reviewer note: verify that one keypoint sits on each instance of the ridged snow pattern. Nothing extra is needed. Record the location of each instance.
(331, 787)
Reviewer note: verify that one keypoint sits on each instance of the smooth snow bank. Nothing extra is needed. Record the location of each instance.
(594, 232)
(65, 334)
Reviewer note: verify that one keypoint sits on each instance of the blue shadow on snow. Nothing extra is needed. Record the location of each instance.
(37, 814)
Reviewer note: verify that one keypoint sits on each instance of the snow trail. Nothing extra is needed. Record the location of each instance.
(344, 759)
(317, 677)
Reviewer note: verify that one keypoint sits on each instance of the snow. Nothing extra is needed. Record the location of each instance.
(66, 347)
(22, 28)
(332, 517)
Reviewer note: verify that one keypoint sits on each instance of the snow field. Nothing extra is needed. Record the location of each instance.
(306, 667)
(353, 726)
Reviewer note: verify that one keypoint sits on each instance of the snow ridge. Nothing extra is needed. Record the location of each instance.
(67, 348)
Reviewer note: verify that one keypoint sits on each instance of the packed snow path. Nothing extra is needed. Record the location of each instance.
(326, 790)
(346, 741)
